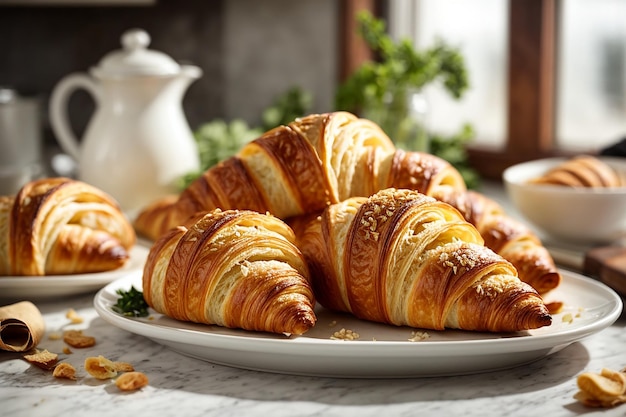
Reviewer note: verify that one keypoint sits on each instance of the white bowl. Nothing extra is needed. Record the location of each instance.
(578, 215)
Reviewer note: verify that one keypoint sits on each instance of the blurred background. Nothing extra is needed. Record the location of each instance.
(544, 76)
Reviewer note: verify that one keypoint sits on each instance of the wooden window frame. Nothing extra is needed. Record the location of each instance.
(531, 94)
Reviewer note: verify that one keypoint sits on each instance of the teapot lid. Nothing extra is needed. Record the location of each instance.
(135, 58)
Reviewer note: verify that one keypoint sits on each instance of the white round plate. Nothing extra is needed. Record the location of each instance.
(36, 287)
(382, 351)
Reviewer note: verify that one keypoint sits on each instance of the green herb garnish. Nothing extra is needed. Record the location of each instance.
(131, 303)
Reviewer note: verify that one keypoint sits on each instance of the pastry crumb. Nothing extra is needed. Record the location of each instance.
(55, 336)
(76, 339)
(123, 367)
(606, 389)
(417, 336)
(73, 316)
(43, 359)
(64, 370)
(345, 334)
(100, 367)
(131, 381)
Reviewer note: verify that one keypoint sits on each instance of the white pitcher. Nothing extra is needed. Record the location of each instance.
(138, 143)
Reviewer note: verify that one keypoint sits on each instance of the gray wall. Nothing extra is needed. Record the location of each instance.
(250, 51)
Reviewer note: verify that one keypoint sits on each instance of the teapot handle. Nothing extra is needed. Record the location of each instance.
(59, 101)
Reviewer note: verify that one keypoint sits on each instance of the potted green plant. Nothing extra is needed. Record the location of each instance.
(389, 91)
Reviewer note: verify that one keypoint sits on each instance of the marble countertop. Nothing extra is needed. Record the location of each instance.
(181, 385)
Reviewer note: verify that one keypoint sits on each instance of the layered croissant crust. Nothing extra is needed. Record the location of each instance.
(237, 269)
(403, 258)
(323, 159)
(301, 168)
(288, 171)
(62, 226)
(583, 171)
(506, 236)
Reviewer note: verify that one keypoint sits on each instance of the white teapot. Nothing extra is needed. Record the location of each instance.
(138, 144)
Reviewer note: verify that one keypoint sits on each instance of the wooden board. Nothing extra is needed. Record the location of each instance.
(608, 265)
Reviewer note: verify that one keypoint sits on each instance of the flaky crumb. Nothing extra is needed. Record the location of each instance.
(43, 359)
(64, 370)
(131, 381)
(606, 389)
(568, 318)
(100, 367)
(55, 336)
(345, 334)
(67, 350)
(73, 316)
(123, 367)
(418, 336)
(76, 339)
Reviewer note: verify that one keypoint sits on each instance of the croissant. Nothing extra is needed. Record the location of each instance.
(62, 226)
(582, 171)
(237, 269)
(403, 258)
(323, 159)
(506, 236)
(288, 171)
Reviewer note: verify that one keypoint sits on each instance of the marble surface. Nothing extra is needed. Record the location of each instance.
(185, 386)
(180, 385)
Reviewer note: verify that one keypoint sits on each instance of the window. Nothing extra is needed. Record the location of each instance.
(547, 76)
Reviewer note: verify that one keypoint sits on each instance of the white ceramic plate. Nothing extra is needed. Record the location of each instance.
(382, 351)
(30, 287)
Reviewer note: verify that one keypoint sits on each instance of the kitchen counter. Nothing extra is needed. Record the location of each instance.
(184, 386)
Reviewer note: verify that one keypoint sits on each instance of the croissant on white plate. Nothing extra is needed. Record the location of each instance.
(237, 269)
(299, 169)
(506, 236)
(62, 226)
(323, 159)
(403, 258)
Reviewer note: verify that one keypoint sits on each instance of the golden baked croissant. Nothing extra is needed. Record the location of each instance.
(506, 236)
(288, 171)
(403, 258)
(323, 159)
(62, 226)
(297, 169)
(237, 269)
(582, 171)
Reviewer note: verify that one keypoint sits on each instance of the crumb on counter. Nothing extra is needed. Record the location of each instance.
(76, 339)
(100, 367)
(606, 389)
(64, 370)
(43, 359)
(55, 336)
(73, 316)
(131, 381)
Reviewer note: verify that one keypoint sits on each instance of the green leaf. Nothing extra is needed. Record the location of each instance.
(131, 303)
